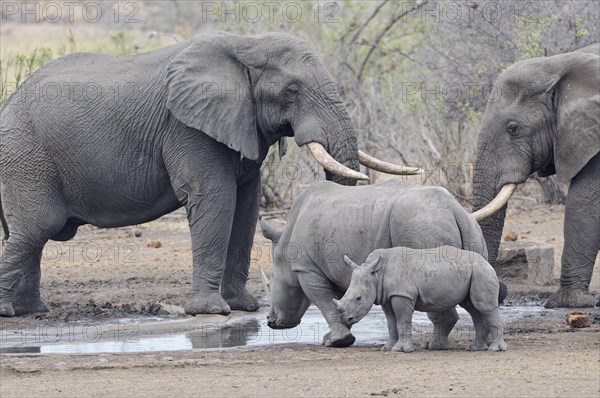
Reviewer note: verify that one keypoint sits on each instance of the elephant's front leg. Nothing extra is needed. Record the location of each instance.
(210, 214)
(321, 292)
(240, 246)
(582, 239)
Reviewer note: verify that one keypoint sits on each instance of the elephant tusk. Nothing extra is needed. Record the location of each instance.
(265, 280)
(330, 164)
(385, 167)
(496, 204)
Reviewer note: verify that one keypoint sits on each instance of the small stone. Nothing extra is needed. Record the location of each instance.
(168, 359)
(137, 232)
(102, 360)
(511, 236)
(154, 244)
(578, 319)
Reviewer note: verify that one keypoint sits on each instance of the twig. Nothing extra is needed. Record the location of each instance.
(353, 40)
(383, 33)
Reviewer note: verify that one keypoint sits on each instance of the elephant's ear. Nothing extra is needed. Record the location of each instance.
(576, 101)
(209, 88)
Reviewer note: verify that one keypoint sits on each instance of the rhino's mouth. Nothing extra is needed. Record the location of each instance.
(278, 325)
(274, 322)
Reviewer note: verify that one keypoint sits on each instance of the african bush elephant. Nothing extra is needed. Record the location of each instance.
(116, 141)
(545, 117)
(328, 221)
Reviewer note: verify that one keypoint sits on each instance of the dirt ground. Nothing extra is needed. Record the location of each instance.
(112, 274)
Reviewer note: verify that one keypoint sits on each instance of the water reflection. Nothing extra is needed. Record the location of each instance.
(235, 332)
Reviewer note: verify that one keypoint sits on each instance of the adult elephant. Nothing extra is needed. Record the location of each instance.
(116, 141)
(546, 118)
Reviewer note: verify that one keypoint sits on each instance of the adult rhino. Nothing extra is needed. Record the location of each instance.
(328, 221)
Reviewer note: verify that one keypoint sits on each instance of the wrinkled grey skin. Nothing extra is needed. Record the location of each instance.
(546, 118)
(129, 139)
(328, 220)
(402, 280)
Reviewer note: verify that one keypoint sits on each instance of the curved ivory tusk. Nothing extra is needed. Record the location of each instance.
(265, 280)
(330, 164)
(385, 167)
(497, 203)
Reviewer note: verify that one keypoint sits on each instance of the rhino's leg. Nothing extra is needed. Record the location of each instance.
(403, 310)
(443, 322)
(321, 293)
(390, 317)
(480, 328)
(495, 330)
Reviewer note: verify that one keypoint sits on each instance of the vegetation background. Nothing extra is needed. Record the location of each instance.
(415, 75)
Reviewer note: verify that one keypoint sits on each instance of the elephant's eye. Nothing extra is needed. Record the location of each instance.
(292, 92)
(512, 129)
(358, 298)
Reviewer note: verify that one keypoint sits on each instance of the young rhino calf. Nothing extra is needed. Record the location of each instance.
(402, 280)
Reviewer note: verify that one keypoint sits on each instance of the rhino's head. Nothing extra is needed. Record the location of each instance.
(288, 301)
(361, 293)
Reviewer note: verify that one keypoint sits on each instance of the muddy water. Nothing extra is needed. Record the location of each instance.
(218, 332)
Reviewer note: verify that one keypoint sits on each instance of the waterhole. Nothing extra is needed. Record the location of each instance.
(217, 332)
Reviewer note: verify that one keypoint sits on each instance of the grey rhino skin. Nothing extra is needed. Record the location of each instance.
(402, 280)
(328, 221)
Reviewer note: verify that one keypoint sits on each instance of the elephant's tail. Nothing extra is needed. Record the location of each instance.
(3, 221)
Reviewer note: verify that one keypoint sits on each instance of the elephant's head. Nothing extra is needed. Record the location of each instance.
(288, 301)
(248, 92)
(544, 116)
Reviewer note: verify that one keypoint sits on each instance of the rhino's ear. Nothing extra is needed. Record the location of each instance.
(337, 303)
(270, 232)
(373, 266)
(349, 262)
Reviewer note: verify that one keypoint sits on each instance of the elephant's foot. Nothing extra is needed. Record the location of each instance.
(403, 346)
(437, 344)
(498, 346)
(30, 307)
(6, 309)
(478, 346)
(241, 300)
(339, 337)
(207, 304)
(570, 298)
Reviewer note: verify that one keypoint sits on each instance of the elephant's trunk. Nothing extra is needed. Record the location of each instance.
(342, 146)
(484, 191)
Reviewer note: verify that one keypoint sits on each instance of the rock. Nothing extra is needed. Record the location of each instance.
(154, 244)
(137, 232)
(578, 319)
(511, 236)
(526, 260)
